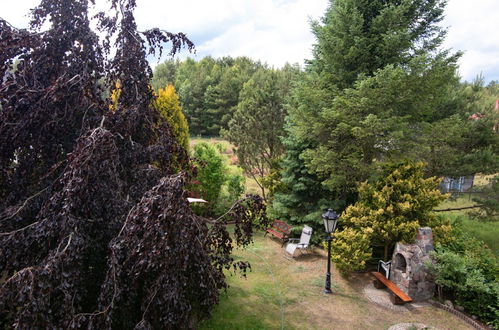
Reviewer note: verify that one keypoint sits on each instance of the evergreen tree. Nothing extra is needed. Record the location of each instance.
(378, 90)
(388, 211)
(358, 37)
(301, 197)
(164, 74)
(208, 89)
(222, 98)
(192, 80)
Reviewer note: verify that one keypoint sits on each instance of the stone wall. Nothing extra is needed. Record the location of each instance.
(409, 272)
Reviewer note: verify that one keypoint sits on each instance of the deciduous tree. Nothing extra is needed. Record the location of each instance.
(168, 105)
(258, 123)
(95, 230)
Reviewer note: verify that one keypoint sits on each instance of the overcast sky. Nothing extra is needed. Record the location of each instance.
(278, 31)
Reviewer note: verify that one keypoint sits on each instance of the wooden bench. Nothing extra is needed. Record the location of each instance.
(398, 296)
(281, 230)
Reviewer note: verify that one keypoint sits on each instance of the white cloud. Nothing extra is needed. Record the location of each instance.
(275, 33)
(272, 31)
(473, 27)
(278, 31)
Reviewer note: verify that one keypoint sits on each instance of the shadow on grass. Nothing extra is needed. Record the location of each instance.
(309, 257)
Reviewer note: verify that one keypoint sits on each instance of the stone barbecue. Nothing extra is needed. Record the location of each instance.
(408, 271)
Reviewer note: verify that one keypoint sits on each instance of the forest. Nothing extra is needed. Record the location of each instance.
(99, 153)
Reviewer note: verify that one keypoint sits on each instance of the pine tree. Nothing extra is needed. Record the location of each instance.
(165, 74)
(208, 89)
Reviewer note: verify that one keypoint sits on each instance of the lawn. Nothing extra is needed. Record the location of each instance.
(282, 293)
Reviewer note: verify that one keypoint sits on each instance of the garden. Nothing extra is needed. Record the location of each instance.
(141, 199)
(282, 293)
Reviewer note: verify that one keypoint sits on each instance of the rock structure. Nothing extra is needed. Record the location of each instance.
(408, 270)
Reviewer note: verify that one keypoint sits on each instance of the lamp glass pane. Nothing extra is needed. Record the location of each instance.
(326, 225)
(333, 227)
(330, 225)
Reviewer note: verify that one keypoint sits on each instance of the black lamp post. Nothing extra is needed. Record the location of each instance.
(330, 222)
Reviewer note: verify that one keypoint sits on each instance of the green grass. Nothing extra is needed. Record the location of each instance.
(487, 232)
(462, 201)
(229, 317)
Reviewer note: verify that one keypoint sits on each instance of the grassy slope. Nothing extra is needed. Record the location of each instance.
(484, 231)
(282, 293)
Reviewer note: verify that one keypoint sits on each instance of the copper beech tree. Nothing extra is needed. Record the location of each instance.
(95, 229)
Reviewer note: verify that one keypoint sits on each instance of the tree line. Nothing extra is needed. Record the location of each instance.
(379, 89)
(310, 142)
(209, 89)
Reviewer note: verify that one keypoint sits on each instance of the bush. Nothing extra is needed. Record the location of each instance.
(351, 249)
(216, 185)
(232, 190)
(388, 211)
(467, 271)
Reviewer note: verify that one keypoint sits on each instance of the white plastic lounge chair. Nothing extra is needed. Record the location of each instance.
(302, 243)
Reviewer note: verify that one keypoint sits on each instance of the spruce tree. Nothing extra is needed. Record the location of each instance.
(378, 89)
(301, 197)
(376, 74)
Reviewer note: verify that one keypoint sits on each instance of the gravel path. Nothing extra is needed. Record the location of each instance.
(381, 297)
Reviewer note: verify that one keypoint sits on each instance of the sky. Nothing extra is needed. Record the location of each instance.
(278, 31)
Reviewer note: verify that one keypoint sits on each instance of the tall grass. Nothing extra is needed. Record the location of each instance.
(488, 232)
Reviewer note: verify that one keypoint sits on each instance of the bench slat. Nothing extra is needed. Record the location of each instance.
(392, 287)
(275, 233)
(282, 226)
